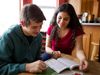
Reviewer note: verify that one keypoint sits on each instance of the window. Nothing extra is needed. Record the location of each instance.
(48, 8)
(9, 14)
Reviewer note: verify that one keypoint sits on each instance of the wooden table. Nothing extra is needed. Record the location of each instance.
(93, 69)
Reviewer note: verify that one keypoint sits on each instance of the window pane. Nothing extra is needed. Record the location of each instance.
(48, 8)
(45, 2)
(49, 14)
(9, 14)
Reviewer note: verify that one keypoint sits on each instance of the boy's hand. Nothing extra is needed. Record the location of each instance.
(35, 67)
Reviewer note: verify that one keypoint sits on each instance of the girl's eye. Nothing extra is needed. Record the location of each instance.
(66, 19)
(59, 18)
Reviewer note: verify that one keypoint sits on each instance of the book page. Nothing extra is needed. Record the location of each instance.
(69, 63)
(55, 65)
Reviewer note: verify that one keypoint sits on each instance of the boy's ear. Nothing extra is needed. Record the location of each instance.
(22, 22)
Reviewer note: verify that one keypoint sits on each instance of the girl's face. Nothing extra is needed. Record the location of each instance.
(63, 19)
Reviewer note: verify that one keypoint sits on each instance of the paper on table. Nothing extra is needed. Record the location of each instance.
(56, 65)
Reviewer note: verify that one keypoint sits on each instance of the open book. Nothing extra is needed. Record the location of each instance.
(61, 64)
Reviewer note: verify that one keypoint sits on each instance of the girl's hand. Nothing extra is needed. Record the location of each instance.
(83, 65)
(56, 54)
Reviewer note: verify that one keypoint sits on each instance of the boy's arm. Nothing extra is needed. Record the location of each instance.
(6, 65)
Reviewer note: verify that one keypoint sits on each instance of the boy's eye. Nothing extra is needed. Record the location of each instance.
(35, 27)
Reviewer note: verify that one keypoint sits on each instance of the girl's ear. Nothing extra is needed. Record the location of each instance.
(22, 23)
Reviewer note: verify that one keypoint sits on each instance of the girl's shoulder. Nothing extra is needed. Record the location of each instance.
(50, 29)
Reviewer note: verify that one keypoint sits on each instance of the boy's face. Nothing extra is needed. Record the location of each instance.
(32, 29)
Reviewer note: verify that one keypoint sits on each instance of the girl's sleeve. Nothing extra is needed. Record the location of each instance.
(79, 31)
(49, 29)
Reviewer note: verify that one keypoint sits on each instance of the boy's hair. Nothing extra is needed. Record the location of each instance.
(32, 12)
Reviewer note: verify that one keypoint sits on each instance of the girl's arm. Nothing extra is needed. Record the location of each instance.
(48, 45)
(80, 53)
(55, 54)
(79, 48)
